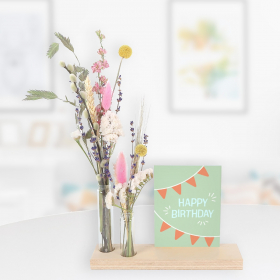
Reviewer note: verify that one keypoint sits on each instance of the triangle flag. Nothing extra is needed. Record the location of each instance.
(178, 234)
(209, 240)
(164, 227)
(162, 193)
(203, 172)
(194, 238)
(177, 189)
(191, 181)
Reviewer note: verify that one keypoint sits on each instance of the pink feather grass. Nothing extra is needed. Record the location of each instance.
(107, 97)
(120, 168)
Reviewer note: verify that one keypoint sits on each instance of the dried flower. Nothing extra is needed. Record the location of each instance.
(76, 135)
(103, 80)
(85, 114)
(96, 126)
(110, 127)
(122, 194)
(141, 150)
(105, 64)
(101, 51)
(83, 94)
(97, 67)
(120, 168)
(62, 63)
(70, 68)
(107, 97)
(109, 200)
(73, 78)
(73, 87)
(125, 51)
(139, 178)
(90, 100)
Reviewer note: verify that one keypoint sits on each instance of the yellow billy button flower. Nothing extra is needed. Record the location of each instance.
(141, 150)
(125, 51)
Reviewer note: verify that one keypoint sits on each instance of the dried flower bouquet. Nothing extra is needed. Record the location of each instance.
(127, 190)
(104, 128)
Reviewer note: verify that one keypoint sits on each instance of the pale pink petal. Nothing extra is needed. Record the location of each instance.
(121, 168)
(107, 97)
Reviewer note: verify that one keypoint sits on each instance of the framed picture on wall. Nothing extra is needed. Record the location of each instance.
(24, 34)
(207, 60)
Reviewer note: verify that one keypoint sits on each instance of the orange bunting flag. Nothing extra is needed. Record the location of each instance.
(177, 189)
(209, 240)
(178, 234)
(194, 238)
(162, 193)
(191, 181)
(164, 227)
(203, 172)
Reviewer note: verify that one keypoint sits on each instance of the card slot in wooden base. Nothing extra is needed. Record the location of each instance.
(149, 257)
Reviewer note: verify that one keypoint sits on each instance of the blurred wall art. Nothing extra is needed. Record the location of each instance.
(24, 33)
(207, 56)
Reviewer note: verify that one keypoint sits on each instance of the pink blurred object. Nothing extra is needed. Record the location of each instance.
(121, 168)
(107, 97)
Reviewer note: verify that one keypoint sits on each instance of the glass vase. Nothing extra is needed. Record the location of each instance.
(105, 229)
(127, 235)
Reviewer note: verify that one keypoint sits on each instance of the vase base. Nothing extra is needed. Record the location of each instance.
(102, 250)
(149, 257)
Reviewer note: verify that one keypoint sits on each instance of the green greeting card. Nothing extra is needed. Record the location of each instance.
(187, 206)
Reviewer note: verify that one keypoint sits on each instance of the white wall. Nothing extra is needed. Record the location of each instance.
(239, 142)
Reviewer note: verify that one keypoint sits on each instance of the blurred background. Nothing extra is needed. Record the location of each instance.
(211, 84)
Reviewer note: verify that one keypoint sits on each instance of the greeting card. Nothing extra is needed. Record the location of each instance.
(187, 206)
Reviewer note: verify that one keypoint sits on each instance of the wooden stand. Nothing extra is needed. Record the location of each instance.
(225, 257)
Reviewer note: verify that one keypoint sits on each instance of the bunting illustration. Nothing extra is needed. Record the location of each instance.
(179, 233)
(191, 181)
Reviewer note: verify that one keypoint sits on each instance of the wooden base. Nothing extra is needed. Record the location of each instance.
(149, 257)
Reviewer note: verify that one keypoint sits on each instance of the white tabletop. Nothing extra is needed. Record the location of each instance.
(59, 247)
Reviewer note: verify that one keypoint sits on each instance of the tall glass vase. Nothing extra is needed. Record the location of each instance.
(127, 235)
(105, 229)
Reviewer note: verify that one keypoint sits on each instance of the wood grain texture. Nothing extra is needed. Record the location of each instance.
(149, 257)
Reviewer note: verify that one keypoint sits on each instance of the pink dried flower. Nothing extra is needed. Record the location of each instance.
(107, 97)
(121, 169)
(101, 90)
(101, 51)
(105, 64)
(95, 87)
(103, 80)
(97, 67)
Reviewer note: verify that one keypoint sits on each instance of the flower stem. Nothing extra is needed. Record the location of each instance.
(77, 59)
(78, 142)
(117, 77)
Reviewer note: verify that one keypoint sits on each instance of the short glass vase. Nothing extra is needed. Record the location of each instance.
(127, 234)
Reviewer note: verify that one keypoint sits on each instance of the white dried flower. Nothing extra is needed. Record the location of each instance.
(85, 114)
(76, 135)
(110, 127)
(139, 178)
(62, 63)
(109, 200)
(70, 68)
(73, 78)
(83, 94)
(73, 87)
(122, 195)
(117, 188)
